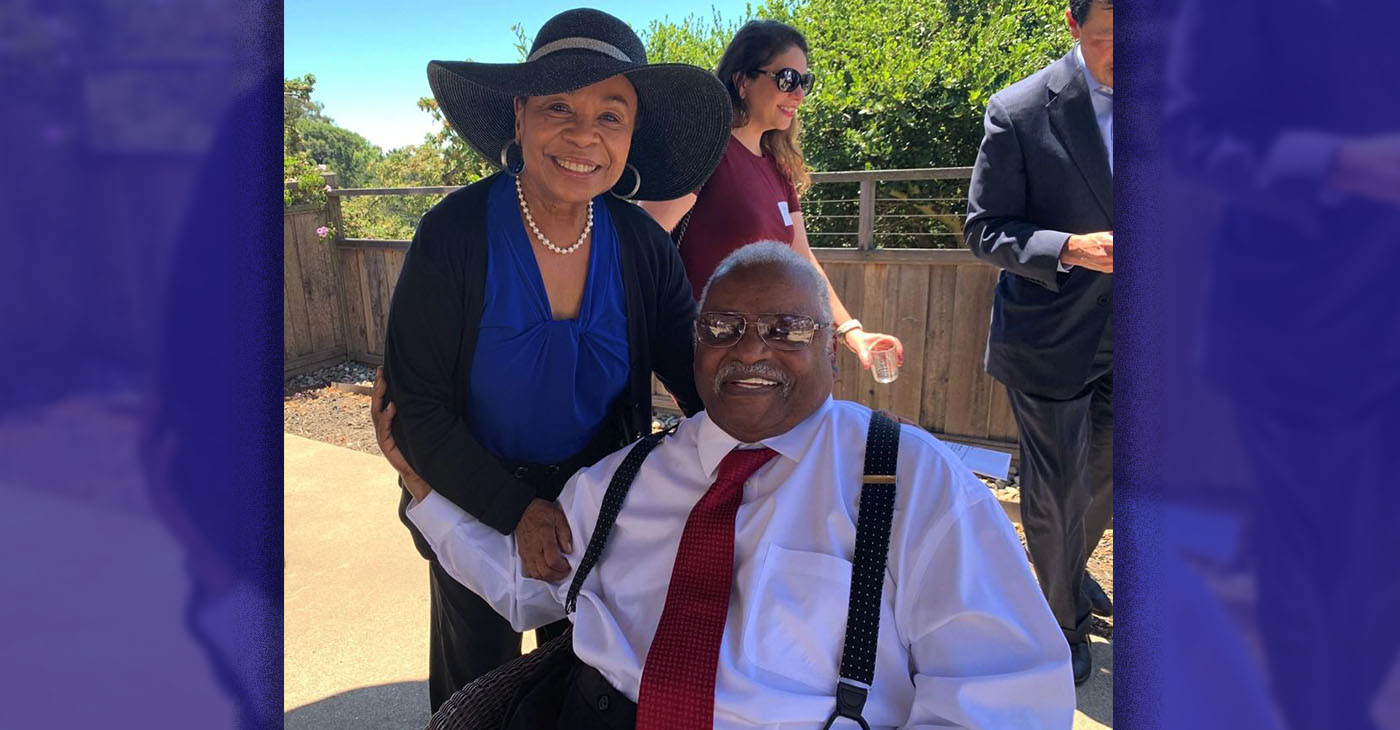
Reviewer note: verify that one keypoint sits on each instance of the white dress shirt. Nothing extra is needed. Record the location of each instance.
(966, 639)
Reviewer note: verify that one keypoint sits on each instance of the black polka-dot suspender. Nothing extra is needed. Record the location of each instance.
(868, 572)
(612, 504)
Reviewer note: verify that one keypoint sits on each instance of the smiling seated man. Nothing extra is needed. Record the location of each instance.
(770, 474)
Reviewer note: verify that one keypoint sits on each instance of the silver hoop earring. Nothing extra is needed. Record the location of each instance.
(638, 174)
(512, 158)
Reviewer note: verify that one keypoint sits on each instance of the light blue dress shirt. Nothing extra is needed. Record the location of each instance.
(1102, 98)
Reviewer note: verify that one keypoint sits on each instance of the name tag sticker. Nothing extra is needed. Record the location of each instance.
(787, 217)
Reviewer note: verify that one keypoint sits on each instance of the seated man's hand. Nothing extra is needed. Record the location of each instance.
(542, 537)
(383, 418)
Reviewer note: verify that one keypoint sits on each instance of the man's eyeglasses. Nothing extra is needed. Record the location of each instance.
(778, 331)
(788, 79)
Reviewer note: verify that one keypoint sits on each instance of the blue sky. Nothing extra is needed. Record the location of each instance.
(370, 57)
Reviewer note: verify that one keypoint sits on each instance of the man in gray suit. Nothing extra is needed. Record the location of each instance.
(1040, 206)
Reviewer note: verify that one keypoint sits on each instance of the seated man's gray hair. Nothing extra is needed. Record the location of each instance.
(771, 253)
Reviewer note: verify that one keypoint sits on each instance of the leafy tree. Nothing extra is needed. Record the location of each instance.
(395, 216)
(307, 129)
(304, 183)
(296, 106)
(349, 155)
(460, 164)
(899, 85)
(905, 84)
(442, 159)
(692, 40)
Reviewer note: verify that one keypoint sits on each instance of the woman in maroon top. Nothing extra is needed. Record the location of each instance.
(753, 194)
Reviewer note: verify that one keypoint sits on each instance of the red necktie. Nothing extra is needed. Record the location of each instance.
(678, 679)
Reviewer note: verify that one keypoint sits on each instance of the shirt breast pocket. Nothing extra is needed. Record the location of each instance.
(795, 622)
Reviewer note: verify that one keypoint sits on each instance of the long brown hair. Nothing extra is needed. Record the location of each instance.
(753, 47)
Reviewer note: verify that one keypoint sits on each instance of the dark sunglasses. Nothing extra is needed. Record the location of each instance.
(778, 331)
(788, 79)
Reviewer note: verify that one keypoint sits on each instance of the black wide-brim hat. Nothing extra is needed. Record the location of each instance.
(683, 117)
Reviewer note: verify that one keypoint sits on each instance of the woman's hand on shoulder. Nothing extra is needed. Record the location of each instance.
(383, 418)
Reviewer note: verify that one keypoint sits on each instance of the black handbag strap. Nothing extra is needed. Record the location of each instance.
(612, 504)
(868, 571)
(678, 233)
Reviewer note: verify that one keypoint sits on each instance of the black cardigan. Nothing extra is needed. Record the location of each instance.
(432, 334)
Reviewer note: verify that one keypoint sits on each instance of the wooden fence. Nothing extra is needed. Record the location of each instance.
(314, 316)
(937, 301)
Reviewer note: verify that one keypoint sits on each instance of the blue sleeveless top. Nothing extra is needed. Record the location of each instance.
(541, 387)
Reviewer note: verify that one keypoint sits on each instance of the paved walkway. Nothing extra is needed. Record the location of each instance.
(357, 601)
(356, 595)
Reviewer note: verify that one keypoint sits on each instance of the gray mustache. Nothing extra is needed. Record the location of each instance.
(738, 371)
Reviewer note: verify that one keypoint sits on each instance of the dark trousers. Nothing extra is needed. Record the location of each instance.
(1066, 491)
(467, 638)
(588, 702)
(591, 703)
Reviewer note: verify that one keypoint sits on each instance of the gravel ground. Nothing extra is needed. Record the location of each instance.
(311, 407)
(1100, 561)
(315, 409)
(1101, 567)
(350, 372)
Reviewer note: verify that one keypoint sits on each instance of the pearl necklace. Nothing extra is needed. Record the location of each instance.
(525, 208)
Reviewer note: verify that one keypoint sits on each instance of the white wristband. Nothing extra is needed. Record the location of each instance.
(847, 326)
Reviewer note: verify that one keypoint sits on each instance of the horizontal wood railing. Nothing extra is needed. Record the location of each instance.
(937, 301)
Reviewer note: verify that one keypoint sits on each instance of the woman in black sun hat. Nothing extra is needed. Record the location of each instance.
(534, 305)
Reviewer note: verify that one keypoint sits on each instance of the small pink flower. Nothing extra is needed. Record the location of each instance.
(328, 188)
(323, 231)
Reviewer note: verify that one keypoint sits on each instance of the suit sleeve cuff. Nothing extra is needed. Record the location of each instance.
(504, 512)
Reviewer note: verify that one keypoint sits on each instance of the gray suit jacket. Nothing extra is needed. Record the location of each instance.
(1042, 174)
